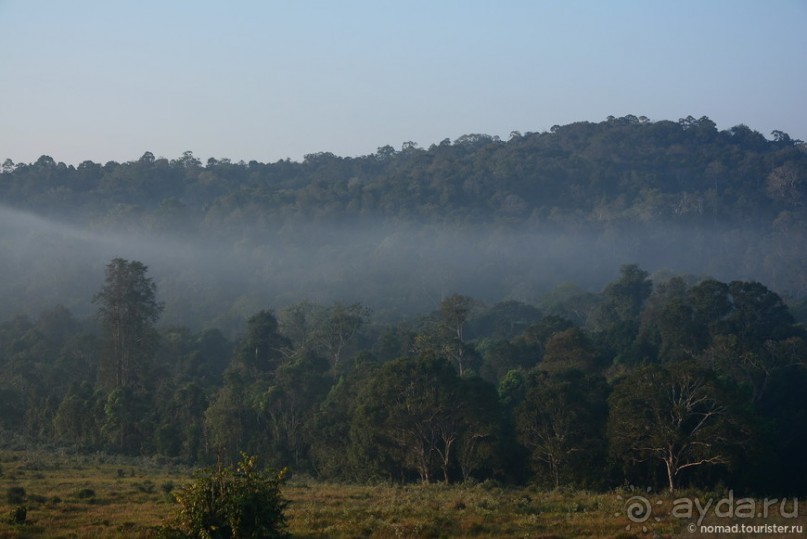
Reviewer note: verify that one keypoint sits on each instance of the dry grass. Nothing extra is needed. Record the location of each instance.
(85, 496)
(324, 510)
(104, 497)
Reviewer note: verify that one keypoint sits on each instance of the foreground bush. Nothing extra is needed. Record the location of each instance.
(238, 502)
(18, 515)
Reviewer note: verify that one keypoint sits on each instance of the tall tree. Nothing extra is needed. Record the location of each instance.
(339, 328)
(680, 415)
(409, 417)
(128, 309)
(569, 349)
(454, 311)
(262, 350)
(626, 296)
(561, 421)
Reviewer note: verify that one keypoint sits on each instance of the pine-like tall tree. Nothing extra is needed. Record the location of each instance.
(128, 309)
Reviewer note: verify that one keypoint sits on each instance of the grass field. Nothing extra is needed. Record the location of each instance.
(99, 496)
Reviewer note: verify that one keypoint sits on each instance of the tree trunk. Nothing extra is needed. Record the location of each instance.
(670, 473)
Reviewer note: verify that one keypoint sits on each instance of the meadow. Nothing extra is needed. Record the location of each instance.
(101, 496)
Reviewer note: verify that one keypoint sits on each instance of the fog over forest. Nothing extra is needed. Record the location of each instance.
(399, 230)
(521, 310)
(396, 270)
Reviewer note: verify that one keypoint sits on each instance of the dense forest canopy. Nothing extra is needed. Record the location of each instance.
(481, 309)
(620, 170)
(399, 228)
(662, 383)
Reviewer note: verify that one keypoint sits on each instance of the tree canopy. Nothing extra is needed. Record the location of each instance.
(626, 393)
(528, 373)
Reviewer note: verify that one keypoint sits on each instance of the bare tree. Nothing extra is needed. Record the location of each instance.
(680, 416)
(455, 310)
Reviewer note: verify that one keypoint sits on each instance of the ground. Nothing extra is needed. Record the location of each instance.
(100, 496)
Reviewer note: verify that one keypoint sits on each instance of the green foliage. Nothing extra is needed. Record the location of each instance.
(342, 395)
(85, 493)
(569, 349)
(625, 297)
(680, 416)
(615, 170)
(262, 350)
(127, 309)
(503, 321)
(229, 418)
(561, 420)
(238, 502)
(18, 515)
(418, 416)
(650, 184)
(332, 452)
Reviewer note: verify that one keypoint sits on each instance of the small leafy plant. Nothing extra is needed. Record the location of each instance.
(238, 502)
(18, 515)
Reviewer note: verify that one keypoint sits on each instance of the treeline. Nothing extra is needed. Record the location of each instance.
(673, 383)
(620, 170)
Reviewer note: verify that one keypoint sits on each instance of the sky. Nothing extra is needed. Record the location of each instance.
(268, 80)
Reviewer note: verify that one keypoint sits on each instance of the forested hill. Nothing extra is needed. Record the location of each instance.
(622, 170)
(520, 311)
(399, 229)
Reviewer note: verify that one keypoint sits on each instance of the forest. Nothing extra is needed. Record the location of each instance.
(602, 304)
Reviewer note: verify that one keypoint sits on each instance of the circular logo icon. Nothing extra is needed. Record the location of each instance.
(638, 509)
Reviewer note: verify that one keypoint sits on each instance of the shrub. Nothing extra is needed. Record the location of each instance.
(146, 486)
(18, 515)
(85, 493)
(235, 502)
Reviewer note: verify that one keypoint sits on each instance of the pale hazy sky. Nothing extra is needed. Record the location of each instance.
(265, 80)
